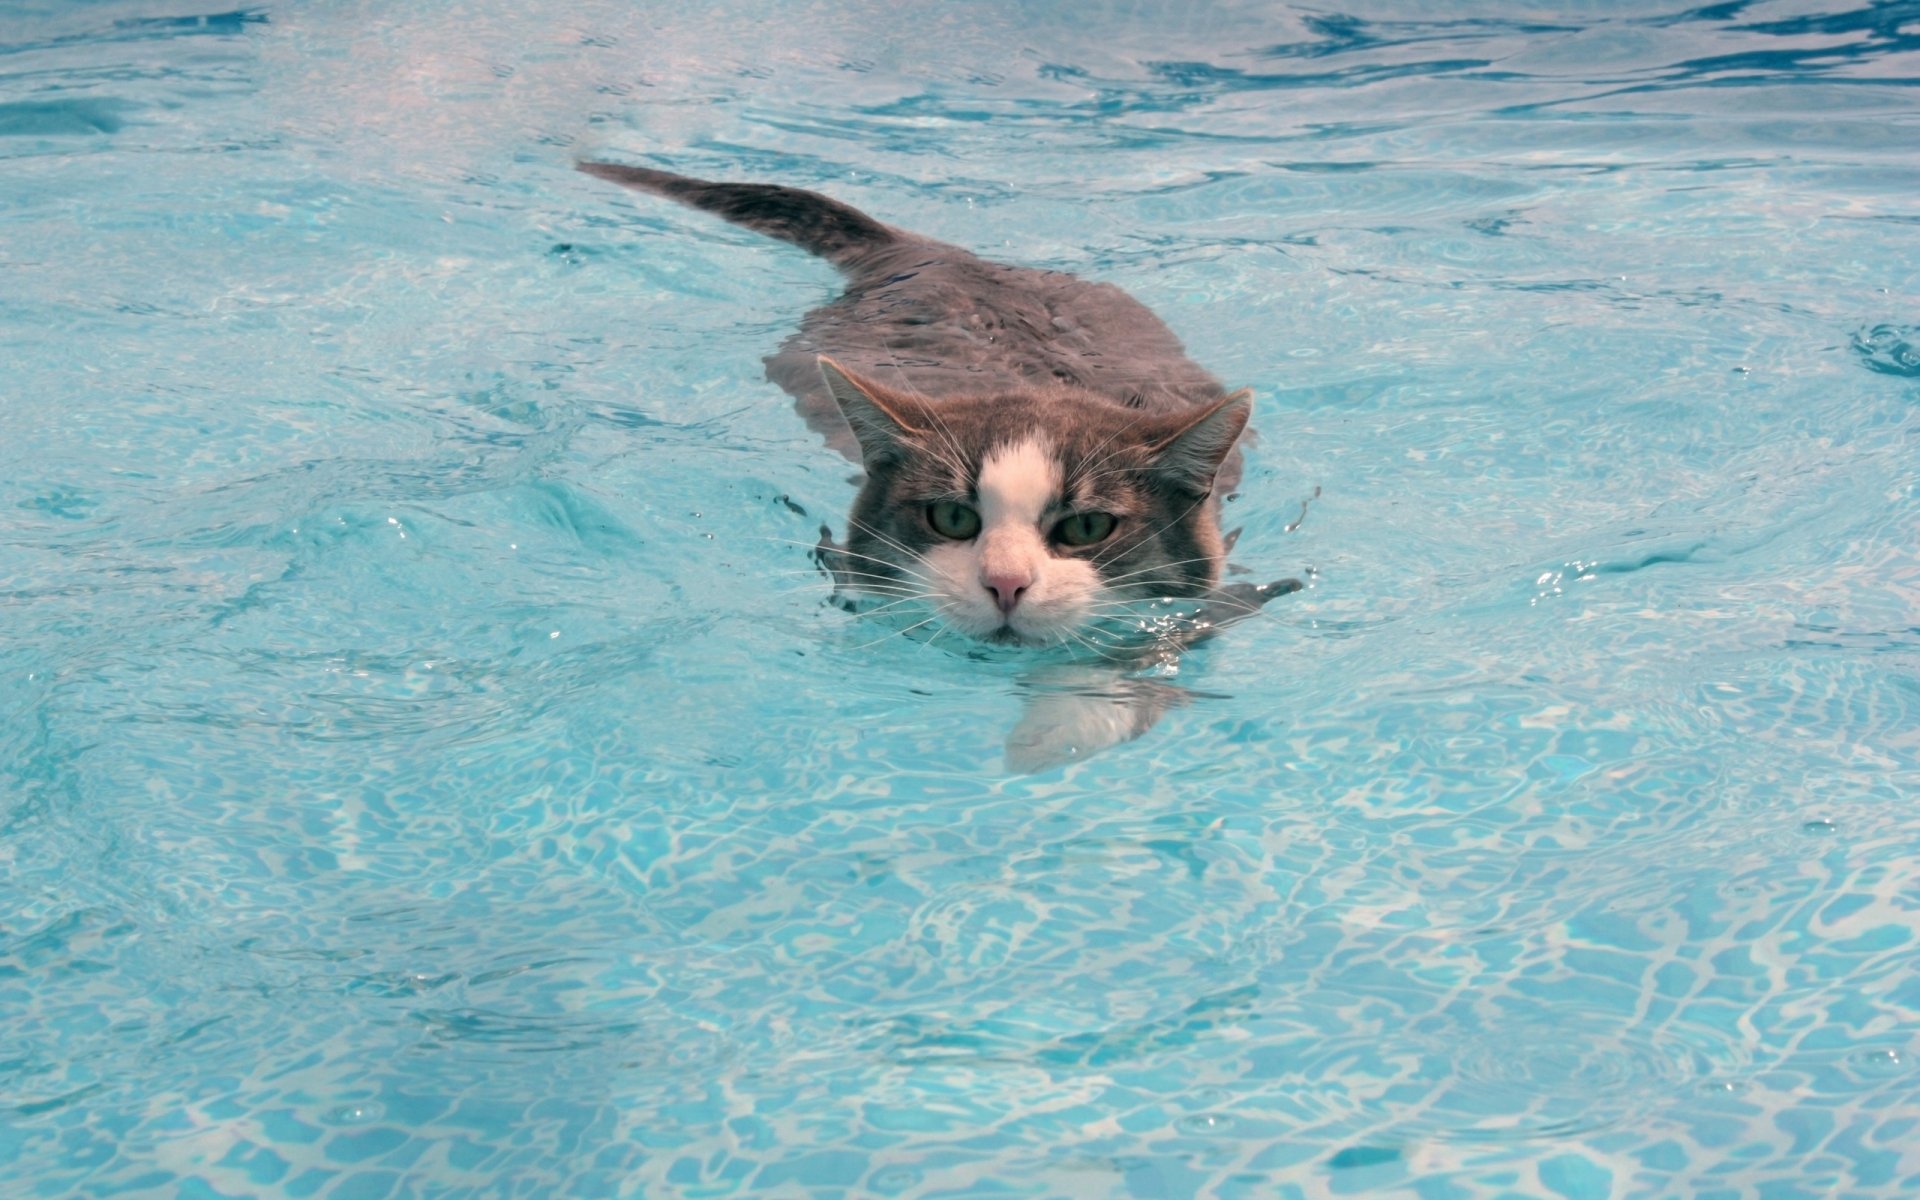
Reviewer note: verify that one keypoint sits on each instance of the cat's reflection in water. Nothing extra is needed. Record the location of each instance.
(1076, 709)
(1073, 710)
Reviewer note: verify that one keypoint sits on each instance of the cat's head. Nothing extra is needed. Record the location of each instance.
(1034, 518)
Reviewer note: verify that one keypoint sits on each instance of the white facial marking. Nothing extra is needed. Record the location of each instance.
(1017, 489)
(1017, 483)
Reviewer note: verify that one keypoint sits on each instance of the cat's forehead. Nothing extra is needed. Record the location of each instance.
(1079, 449)
(1020, 480)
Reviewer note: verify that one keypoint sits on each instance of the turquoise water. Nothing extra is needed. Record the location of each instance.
(431, 767)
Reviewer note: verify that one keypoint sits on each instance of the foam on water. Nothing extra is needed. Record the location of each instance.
(430, 764)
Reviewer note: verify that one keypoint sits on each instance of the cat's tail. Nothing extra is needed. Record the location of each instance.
(828, 228)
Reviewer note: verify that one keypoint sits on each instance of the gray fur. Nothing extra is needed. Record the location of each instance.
(938, 358)
(926, 317)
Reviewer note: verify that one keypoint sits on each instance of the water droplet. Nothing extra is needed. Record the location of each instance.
(1819, 828)
(353, 1114)
(1204, 1123)
(1878, 1060)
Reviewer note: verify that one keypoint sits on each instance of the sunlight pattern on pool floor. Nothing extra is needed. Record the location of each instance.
(430, 765)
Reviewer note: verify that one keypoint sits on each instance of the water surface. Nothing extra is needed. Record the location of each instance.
(430, 766)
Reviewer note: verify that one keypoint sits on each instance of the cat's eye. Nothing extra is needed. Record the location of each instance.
(952, 519)
(1084, 529)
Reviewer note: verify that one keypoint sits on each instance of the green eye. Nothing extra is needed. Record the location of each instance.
(952, 519)
(1084, 529)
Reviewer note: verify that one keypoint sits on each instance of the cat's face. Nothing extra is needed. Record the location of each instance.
(1031, 519)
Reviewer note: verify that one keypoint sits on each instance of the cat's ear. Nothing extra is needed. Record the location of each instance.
(1194, 448)
(880, 420)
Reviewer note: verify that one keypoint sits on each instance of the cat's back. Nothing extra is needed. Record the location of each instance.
(937, 320)
(930, 318)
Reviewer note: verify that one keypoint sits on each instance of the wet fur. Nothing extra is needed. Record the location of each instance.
(1169, 543)
(924, 316)
(938, 359)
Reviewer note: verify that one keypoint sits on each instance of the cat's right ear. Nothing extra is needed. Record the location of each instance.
(880, 421)
(1192, 450)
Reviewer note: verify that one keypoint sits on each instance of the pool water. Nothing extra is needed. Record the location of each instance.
(430, 765)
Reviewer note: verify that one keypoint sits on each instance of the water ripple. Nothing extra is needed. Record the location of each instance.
(1889, 349)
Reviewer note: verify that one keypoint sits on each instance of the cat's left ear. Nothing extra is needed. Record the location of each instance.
(1194, 449)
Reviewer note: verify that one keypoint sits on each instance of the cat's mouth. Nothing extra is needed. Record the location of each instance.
(1007, 635)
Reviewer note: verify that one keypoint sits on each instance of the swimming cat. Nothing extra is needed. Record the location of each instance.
(1041, 457)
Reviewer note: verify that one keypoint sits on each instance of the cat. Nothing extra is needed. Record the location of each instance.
(1041, 460)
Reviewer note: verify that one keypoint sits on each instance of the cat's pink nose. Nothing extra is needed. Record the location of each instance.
(1007, 588)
